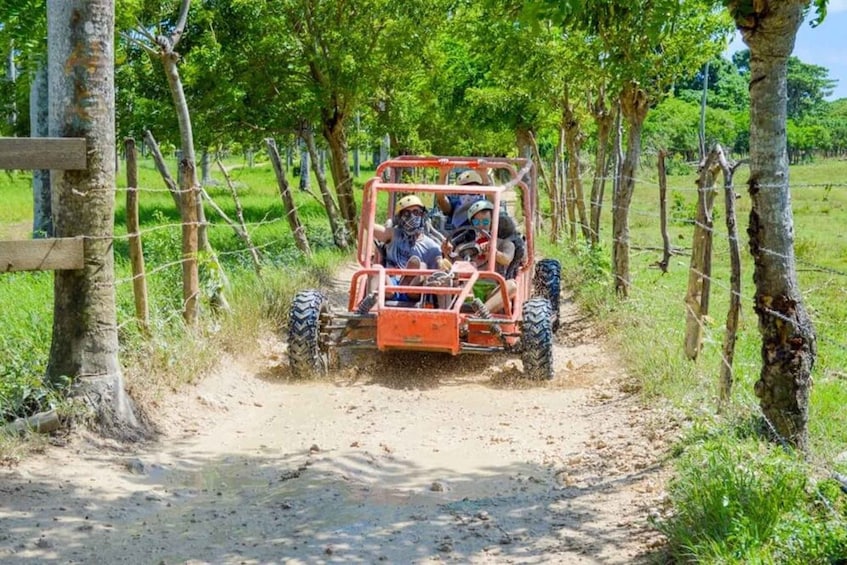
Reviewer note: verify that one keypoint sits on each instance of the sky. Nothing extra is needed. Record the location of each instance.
(825, 45)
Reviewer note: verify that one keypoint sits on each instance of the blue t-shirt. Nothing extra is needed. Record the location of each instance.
(399, 250)
(459, 205)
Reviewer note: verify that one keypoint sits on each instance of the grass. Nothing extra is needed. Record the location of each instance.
(735, 498)
(170, 357)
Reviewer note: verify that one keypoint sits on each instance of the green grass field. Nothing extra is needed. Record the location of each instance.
(171, 355)
(736, 499)
(794, 524)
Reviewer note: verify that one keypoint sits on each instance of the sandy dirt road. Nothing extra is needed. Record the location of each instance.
(400, 458)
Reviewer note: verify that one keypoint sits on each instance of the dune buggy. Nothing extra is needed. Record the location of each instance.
(442, 313)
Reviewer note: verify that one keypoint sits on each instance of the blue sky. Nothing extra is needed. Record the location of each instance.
(825, 45)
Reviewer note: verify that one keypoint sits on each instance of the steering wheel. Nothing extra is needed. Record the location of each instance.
(464, 244)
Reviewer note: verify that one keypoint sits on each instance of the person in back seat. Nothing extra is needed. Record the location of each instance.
(455, 206)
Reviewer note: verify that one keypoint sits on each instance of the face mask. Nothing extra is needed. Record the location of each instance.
(411, 223)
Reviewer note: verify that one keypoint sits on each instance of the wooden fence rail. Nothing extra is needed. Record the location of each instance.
(33, 154)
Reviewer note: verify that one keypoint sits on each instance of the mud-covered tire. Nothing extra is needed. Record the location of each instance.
(537, 339)
(547, 284)
(307, 354)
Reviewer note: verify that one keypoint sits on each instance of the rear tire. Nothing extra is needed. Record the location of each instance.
(547, 284)
(307, 354)
(537, 339)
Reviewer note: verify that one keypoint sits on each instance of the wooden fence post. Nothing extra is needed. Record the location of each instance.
(663, 211)
(136, 255)
(700, 269)
(725, 387)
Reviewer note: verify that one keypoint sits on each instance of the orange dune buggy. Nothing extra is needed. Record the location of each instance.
(443, 313)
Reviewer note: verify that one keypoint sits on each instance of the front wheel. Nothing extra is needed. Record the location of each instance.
(537, 339)
(307, 354)
(547, 283)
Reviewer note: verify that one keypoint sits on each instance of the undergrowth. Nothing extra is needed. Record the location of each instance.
(735, 496)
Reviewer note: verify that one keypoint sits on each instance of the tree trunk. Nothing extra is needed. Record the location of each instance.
(339, 233)
(788, 338)
(82, 104)
(550, 184)
(188, 158)
(560, 178)
(12, 76)
(634, 110)
(357, 170)
(291, 216)
(42, 220)
(574, 138)
(604, 120)
(703, 98)
(194, 222)
(305, 177)
(333, 131)
(732, 314)
(206, 169)
(384, 150)
(523, 138)
(189, 194)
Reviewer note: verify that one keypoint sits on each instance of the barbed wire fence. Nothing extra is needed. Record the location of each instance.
(813, 274)
(681, 216)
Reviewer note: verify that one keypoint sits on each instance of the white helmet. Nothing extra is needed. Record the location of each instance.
(407, 202)
(469, 177)
(478, 207)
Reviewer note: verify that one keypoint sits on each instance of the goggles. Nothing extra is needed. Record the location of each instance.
(484, 222)
(409, 212)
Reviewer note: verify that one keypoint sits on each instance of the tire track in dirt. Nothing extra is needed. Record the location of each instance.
(398, 458)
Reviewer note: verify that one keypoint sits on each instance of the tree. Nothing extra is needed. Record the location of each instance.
(836, 123)
(194, 233)
(808, 86)
(673, 125)
(727, 85)
(85, 336)
(343, 49)
(788, 338)
(649, 46)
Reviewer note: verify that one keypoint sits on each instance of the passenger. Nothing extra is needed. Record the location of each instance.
(480, 215)
(455, 206)
(407, 244)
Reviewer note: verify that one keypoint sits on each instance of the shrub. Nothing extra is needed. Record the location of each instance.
(743, 501)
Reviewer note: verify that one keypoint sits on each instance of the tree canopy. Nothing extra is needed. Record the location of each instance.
(440, 77)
